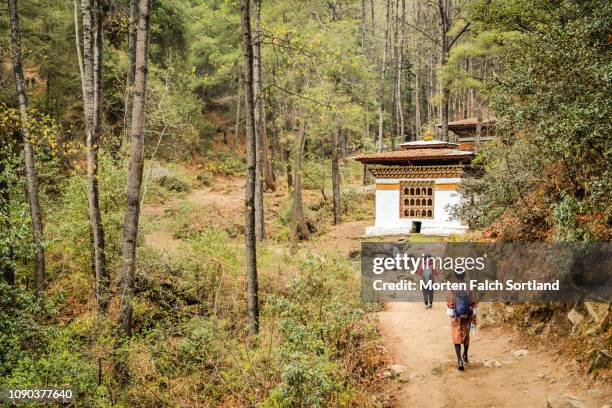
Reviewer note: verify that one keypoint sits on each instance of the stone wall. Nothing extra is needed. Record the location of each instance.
(583, 329)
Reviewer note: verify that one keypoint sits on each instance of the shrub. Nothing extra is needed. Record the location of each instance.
(67, 230)
(172, 183)
(314, 175)
(61, 368)
(205, 178)
(224, 162)
(21, 333)
(318, 319)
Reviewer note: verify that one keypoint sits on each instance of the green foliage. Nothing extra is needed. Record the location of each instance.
(68, 230)
(16, 246)
(214, 45)
(551, 97)
(315, 175)
(21, 331)
(63, 368)
(205, 178)
(223, 161)
(565, 219)
(174, 111)
(172, 183)
(35, 354)
(168, 30)
(47, 40)
(316, 316)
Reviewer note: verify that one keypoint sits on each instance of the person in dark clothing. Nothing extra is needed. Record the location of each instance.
(427, 273)
(461, 307)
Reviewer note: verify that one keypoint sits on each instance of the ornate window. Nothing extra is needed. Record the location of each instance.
(417, 199)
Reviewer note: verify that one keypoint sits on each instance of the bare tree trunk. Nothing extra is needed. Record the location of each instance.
(251, 179)
(102, 280)
(431, 112)
(238, 100)
(259, 163)
(478, 128)
(363, 26)
(336, 175)
(299, 229)
(366, 175)
(134, 180)
(92, 104)
(78, 45)
(131, 73)
(83, 94)
(366, 125)
(444, 92)
(417, 98)
(471, 91)
(88, 66)
(446, 44)
(417, 76)
(394, 59)
(260, 112)
(364, 52)
(344, 142)
(373, 24)
(29, 157)
(288, 166)
(267, 162)
(400, 57)
(132, 30)
(383, 70)
(274, 143)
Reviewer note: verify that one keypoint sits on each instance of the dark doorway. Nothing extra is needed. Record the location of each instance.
(416, 226)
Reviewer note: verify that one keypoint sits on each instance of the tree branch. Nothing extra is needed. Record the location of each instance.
(295, 94)
(417, 29)
(459, 34)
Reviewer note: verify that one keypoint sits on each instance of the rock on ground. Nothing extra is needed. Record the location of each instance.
(564, 401)
(520, 353)
(598, 311)
(575, 317)
(397, 369)
(491, 363)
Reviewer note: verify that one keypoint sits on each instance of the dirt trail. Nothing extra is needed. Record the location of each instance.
(419, 339)
(225, 193)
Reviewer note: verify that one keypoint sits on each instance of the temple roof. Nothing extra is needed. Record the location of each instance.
(422, 144)
(417, 154)
(467, 124)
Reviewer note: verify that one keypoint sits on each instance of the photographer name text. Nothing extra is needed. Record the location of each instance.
(486, 285)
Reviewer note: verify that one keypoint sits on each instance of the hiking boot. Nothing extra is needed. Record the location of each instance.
(460, 365)
(465, 358)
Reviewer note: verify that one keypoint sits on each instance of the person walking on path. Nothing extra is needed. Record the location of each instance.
(427, 273)
(461, 307)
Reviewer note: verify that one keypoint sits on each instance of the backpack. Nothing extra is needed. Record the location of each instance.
(462, 304)
(427, 274)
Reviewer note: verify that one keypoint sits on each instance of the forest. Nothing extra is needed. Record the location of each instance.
(180, 211)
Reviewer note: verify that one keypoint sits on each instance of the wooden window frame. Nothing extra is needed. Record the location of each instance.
(415, 197)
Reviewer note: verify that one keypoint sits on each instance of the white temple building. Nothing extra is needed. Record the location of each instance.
(416, 186)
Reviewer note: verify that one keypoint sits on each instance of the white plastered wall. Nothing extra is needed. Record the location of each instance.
(389, 222)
